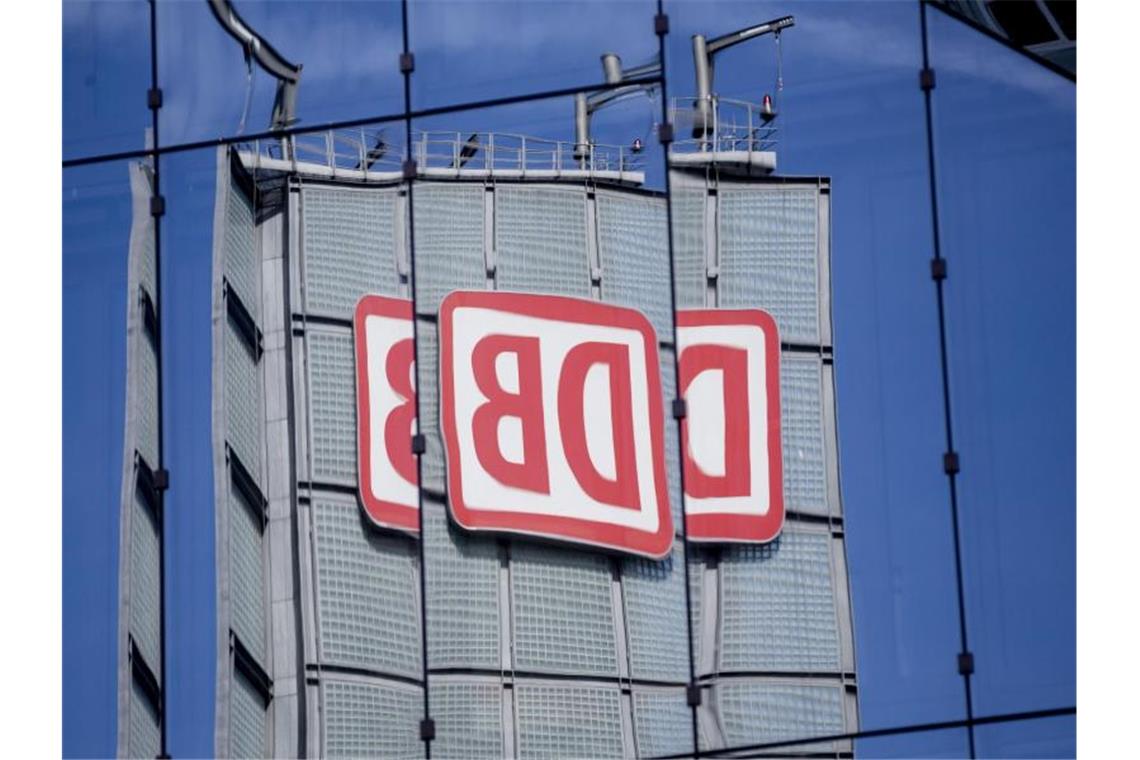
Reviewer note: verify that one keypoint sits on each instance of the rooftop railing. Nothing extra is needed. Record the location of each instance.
(721, 125)
(363, 152)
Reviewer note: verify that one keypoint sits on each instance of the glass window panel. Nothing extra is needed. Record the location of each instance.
(247, 578)
(248, 732)
(1005, 132)
(468, 719)
(654, 594)
(106, 75)
(350, 246)
(566, 720)
(363, 719)
(463, 595)
(563, 610)
(332, 403)
(348, 52)
(367, 590)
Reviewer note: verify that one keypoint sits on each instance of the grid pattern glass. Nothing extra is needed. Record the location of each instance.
(568, 721)
(540, 240)
(463, 595)
(247, 581)
(145, 736)
(449, 242)
(633, 247)
(655, 617)
(801, 423)
(662, 722)
(689, 247)
(367, 590)
(247, 720)
(371, 720)
(754, 712)
(562, 606)
(241, 266)
(427, 362)
(769, 256)
(243, 402)
(145, 560)
(779, 606)
(146, 399)
(146, 259)
(332, 399)
(350, 246)
(672, 453)
(468, 719)
(697, 601)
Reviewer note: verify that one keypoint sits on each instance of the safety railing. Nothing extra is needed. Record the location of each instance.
(717, 124)
(498, 152)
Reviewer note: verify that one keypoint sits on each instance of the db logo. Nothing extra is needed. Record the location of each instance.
(386, 411)
(730, 378)
(552, 420)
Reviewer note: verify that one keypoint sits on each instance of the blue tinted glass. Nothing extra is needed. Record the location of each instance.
(348, 52)
(1005, 130)
(106, 75)
(850, 111)
(474, 50)
(96, 232)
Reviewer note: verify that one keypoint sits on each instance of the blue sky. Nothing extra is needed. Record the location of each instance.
(852, 110)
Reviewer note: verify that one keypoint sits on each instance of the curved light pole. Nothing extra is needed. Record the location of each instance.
(288, 75)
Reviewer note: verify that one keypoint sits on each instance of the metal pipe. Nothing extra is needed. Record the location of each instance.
(702, 64)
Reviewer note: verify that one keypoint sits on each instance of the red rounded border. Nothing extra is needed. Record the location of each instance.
(655, 545)
(735, 528)
(385, 514)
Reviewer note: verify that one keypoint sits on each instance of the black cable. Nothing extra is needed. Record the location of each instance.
(661, 27)
(951, 470)
(912, 728)
(156, 220)
(281, 134)
(406, 67)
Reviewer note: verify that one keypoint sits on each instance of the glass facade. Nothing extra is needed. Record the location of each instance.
(282, 622)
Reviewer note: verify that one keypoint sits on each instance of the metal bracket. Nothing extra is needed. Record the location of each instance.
(154, 98)
(407, 63)
(926, 79)
(419, 443)
(938, 269)
(950, 462)
(157, 205)
(693, 695)
(665, 133)
(680, 409)
(661, 24)
(410, 169)
(161, 479)
(427, 729)
(966, 663)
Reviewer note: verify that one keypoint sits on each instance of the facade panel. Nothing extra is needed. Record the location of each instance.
(562, 720)
(362, 719)
(367, 588)
(769, 256)
(350, 247)
(505, 613)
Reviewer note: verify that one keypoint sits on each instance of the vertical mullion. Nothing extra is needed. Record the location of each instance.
(160, 466)
(662, 31)
(951, 471)
(427, 732)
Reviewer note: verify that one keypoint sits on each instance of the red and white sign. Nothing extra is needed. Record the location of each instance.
(730, 379)
(386, 411)
(552, 420)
